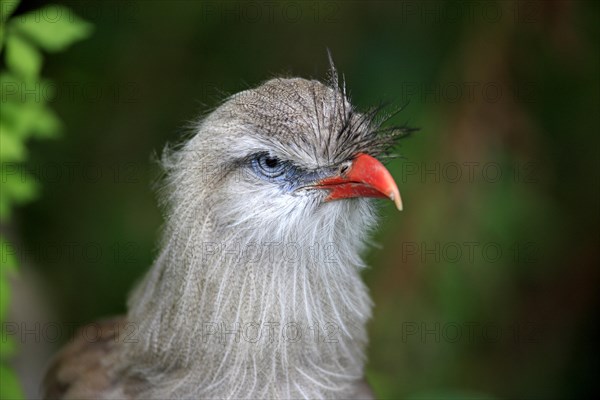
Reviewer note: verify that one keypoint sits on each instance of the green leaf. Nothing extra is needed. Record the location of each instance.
(29, 119)
(4, 295)
(7, 7)
(20, 188)
(11, 146)
(45, 123)
(10, 388)
(10, 85)
(54, 27)
(22, 58)
(19, 90)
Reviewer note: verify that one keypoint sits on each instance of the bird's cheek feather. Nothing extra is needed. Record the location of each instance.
(365, 177)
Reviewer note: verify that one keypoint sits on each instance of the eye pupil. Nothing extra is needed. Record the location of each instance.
(269, 166)
(271, 162)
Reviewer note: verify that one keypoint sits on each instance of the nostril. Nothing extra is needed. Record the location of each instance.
(344, 169)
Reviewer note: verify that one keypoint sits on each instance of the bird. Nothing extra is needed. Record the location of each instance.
(256, 292)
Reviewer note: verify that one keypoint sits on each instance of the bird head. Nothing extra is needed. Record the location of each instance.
(288, 150)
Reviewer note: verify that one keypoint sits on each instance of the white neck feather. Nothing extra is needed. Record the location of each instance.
(238, 313)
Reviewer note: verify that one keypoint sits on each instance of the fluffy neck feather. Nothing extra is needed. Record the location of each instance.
(253, 309)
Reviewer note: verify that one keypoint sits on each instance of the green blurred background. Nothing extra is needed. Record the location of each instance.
(484, 286)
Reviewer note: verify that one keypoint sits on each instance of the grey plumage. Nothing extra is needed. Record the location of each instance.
(256, 292)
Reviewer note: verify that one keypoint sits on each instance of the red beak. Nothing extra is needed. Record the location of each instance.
(366, 177)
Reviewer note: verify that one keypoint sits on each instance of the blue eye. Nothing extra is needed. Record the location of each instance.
(269, 166)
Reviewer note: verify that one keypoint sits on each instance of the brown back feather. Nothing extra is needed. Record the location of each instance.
(84, 367)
